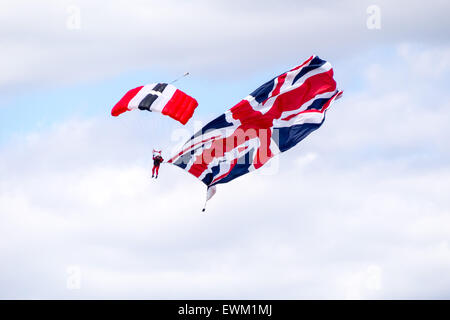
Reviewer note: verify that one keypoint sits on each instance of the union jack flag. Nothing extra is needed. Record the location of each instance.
(272, 119)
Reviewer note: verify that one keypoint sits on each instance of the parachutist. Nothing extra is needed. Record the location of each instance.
(157, 160)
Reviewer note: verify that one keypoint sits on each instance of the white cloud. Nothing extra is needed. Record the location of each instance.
(364, 217)
(304, 160)
(360, 283)
(431, 62)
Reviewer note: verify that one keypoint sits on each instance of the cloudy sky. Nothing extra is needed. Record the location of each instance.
(360, 209)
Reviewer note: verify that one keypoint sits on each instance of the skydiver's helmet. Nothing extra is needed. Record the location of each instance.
(157, 152)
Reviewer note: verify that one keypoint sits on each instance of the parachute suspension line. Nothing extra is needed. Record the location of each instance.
(210, 192)
(184, 75)
(206, 200)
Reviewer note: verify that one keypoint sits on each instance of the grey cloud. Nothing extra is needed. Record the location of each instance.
(219, 39)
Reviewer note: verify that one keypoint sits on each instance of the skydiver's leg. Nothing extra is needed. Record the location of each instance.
(157, 171)
(153, 171)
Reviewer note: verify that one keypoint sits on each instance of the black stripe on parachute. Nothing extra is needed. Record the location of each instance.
(147, 101)
(160, 87)
(150, 98)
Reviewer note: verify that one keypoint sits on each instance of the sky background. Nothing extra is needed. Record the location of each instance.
(358, 210)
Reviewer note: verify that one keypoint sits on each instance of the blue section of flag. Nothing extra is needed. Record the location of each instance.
(314, 64)
(242, 167)
(288, 137)
(318, 104)
(262, 93)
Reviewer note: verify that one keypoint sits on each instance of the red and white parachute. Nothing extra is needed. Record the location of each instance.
(159, 97)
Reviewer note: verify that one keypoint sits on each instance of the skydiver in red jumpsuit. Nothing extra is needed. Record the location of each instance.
(157, 160)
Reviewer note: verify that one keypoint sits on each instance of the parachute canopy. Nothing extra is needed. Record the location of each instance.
(159, 97)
